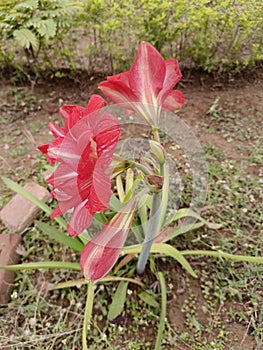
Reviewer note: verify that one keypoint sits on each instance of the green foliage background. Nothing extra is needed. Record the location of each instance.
(104, 34)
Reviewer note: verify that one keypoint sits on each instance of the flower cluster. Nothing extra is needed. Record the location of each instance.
(84, 149)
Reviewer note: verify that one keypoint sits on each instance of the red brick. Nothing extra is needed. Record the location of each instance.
(8, 256)
(19, 213)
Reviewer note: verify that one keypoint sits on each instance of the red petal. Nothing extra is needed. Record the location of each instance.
(172, 74)
(122, 77)
(56, 130)
(99, 259)
(119, 93)
(174, 100)
(96, 102)
(147, 73)
(65, 150)
(100, 191)
(68, 111)
(80, 220)
(43, 148)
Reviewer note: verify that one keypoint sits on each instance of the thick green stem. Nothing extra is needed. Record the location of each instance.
(151, 232)
(87, 315)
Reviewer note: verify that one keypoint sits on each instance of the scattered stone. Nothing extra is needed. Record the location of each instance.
(8, 256)
(20, 213)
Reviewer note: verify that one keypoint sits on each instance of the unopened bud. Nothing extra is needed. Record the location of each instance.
(158, 151)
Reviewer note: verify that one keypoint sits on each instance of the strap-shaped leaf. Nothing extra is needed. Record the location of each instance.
(42, 265)
(163, 311)
(28, 195)
(60, 237)
(169, 250)
(185, 212)
(169, 232)
(166, 249)
(220, 254)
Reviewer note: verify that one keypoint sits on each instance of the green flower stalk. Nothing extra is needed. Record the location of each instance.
(151, 232)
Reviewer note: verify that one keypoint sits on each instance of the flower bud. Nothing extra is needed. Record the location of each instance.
(101, 252)
(158, 151)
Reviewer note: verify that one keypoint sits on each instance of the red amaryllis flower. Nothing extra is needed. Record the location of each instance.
(148, 87)
(72, 115)
(84, 150)
(101, 253)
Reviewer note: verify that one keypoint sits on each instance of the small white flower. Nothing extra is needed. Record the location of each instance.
(14, 295)
(32, 321)
(79, 305)
(252, 198)
(27, 332)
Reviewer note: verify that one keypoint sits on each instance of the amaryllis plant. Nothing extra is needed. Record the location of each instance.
(93, 184)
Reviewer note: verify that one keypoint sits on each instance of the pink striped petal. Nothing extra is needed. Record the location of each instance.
(80, 220)
(101, 253)
(147, 73)
(119, 93)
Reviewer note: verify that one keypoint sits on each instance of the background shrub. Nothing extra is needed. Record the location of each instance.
(104, 34)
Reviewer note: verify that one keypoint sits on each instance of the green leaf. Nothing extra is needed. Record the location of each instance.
(163, 248)
(169, 250)
(161, 237)
(135, 183)
(26, 38)
(143, 212)
(28, 195)
(148, 299)
(163, 311)
(47, 28)
(117, 278)
(165, 195)
(68, 284)
(42, 265)
(59, 236)
(30, 4)
(118, 301)
(79, 282)
(185, 212)
(115, 204)
(136, 229)
(219, 254)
